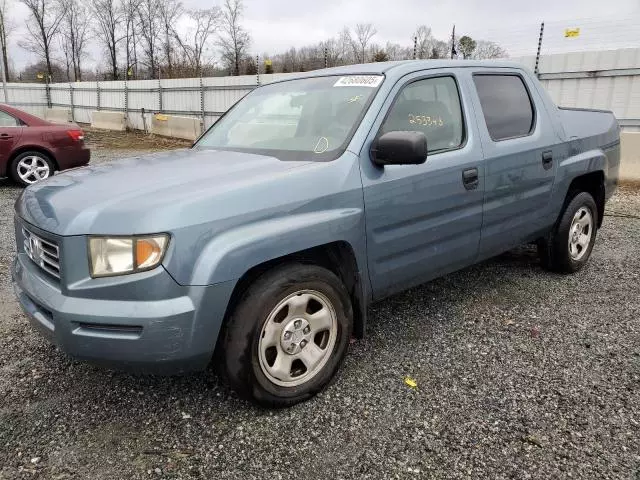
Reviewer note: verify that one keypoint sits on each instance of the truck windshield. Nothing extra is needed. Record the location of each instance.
(305, 119)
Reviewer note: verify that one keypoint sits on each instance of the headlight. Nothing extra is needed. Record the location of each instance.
(120, 255)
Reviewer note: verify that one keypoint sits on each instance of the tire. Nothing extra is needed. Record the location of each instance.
(568, 247)
(43, 168)
(264, 324)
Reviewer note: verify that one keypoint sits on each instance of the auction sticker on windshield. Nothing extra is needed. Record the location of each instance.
(359, 81)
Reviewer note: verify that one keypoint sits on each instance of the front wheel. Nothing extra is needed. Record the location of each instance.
(31, 167)
(568, 247)
(288, 335)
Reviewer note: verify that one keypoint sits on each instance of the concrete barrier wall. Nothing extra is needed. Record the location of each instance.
(108, 120)
(187, 128)
(630, 156)
(160, 125)
(58, 115)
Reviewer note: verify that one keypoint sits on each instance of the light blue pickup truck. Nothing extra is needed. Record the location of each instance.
(266, 241)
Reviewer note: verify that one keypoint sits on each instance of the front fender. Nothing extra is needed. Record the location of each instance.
(229, 255)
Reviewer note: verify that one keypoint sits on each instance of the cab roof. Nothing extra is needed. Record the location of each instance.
(403, 67)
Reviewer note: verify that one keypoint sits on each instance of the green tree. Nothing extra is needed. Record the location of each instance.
(380, 56)
(466, 45)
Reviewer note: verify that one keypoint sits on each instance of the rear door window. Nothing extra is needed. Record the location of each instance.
(7, 120)
(506, 105)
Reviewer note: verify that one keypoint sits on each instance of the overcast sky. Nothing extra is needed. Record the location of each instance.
(276, 25)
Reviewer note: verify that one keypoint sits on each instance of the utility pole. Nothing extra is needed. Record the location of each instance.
(453, 42)
(535, 70)
(258, 70)
(415, 47)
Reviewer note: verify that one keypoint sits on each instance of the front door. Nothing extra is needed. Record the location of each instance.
(423, 221)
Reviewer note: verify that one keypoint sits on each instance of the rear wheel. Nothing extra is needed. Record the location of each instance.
(288, 335)
(31, 167)
(568, 247)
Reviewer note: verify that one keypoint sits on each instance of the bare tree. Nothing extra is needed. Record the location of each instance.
(43, 25)
(333, 50)
(397, 52)
(441, 49)
(129, 9)
(424, 42)
(234, 41)
(170, 12)
(149, 29)
(204, 24)
(364, 33)
(66, 51)
(6, 28)
(486, 49)
(290, 61)
(345, 46)
(108, 22)
(343, 49)
(74, 32)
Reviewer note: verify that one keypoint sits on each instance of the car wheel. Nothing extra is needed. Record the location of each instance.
(31, 167)
(568, 247)
(288, 335)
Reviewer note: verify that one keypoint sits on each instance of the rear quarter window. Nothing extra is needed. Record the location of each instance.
(506, 105)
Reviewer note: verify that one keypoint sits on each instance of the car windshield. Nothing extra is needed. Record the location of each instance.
(305, 119)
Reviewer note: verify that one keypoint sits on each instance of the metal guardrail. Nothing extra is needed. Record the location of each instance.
(189, 113)
(139, 110)
(629, 122)
(129, 89)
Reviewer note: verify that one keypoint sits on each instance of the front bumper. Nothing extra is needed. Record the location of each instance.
(171, 335)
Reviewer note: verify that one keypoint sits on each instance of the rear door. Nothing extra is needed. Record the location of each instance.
(521, 155)
(423, 221)
(10, 133)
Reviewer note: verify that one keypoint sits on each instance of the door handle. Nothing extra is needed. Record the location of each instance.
(5, 136)
(547, 159)
(470, 178)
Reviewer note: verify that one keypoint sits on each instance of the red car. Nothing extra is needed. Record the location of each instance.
(32, 149)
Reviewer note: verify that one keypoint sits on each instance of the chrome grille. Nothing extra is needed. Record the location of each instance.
(44, 253)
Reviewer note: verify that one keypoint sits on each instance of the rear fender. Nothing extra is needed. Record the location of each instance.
(569, 169)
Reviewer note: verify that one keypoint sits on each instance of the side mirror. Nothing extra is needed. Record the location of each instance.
(400, 148)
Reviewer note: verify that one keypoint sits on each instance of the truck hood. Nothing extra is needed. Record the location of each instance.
(150, 193)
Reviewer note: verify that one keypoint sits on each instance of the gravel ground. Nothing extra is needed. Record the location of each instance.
(520, 374)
